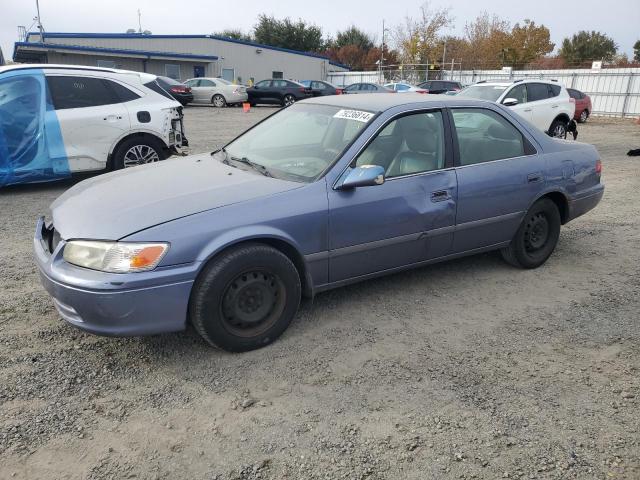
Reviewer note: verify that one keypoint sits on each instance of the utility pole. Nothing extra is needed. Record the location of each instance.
(40, 27)
(139, 22)
(381, 54)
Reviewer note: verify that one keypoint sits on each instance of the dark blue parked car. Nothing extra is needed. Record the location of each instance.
(324, 193)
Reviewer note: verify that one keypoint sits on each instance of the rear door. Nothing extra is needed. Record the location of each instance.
(499, 175)
(91, 118)
(205, 90)
(542, 107)
(409, 218)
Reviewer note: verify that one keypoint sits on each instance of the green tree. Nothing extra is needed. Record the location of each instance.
(587, 46)
(235, 34)
(353, 36)
(287, 33)
(636, 51)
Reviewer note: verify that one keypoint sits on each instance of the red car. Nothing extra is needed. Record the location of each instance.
(583, 104)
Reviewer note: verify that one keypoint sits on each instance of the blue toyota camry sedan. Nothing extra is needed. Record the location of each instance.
(326, 192)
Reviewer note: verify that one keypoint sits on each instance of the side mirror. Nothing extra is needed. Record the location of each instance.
(509, 102)
(363, 176)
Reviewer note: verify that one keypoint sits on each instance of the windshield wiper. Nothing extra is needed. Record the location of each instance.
(256, 166)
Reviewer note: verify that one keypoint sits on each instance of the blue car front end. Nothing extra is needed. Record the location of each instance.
(114, 304)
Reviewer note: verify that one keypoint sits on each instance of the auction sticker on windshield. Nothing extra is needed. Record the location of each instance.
(357, 115)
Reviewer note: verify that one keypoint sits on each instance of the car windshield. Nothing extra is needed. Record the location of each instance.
(483, 92)
(298, 143)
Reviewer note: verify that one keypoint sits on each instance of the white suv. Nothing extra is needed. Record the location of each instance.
(546, 104)
(61, 119)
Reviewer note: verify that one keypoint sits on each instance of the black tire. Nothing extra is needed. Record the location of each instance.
(558, 129)
(218, 101)
(123, 156)
(245, 298)
(288, 99)
(537, 236)
(584, 115)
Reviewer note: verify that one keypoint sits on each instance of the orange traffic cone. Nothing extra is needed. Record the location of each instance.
(246, 107)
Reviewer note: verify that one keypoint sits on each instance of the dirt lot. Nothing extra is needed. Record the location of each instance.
(468, 369)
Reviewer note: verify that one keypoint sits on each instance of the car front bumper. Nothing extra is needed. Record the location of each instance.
(144, 303)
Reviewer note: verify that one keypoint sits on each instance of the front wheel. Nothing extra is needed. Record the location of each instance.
(288, 100)
(537, 237)
(558, 129)
(246, 298)
(218, 101)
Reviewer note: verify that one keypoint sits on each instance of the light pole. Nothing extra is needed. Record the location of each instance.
(384, 30)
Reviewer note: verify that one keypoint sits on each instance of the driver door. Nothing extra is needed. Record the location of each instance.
(519, 93)
(409, 218)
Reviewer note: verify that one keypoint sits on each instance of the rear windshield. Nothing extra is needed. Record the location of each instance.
(483, 92)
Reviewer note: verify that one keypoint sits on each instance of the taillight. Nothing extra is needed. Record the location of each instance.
(422, 91)
(338, 91)
(599, 167)
(426, 90)
(572, 100)
(302, 89)
(179, 89)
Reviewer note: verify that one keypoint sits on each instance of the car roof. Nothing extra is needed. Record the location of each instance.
(377, 102)
(506, 83)
(143, 76)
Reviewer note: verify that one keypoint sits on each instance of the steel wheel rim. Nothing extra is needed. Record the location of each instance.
(139, 155)
(560, 131)
(583, 116)
(289, 100)
(218, 101)
(252, 303)
(536, 233)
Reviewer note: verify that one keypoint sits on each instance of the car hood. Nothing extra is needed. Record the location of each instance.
(117, 204)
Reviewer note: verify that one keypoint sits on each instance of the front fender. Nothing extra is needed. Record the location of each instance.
(244, 234)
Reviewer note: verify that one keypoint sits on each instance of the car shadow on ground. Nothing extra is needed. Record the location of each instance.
(324, 305)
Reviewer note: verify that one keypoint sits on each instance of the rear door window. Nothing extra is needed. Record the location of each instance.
(554, 90)
(264, 84)
(122, 92)
(80, 92)
(484, 136)
(537, 91)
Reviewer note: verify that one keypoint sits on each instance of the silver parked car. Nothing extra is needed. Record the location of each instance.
(216, 91)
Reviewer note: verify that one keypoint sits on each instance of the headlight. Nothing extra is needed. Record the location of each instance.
(114, 257)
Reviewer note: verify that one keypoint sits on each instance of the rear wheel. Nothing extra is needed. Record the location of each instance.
(137, 151)
(218, 101)
(288, 100)
(246, 298)
(558, 129)
(537, 237)
(584, 115)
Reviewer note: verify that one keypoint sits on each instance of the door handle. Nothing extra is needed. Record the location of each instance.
(527, 110)
(554, 106)
(534, 177)
(440, 196)
(112, 118)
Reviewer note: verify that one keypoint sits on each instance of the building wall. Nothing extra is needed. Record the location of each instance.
(248, 61)
(154, 66)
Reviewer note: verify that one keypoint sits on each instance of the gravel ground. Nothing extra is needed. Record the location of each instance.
(467, 369)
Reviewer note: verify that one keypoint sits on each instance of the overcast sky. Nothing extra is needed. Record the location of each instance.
(621, 21)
